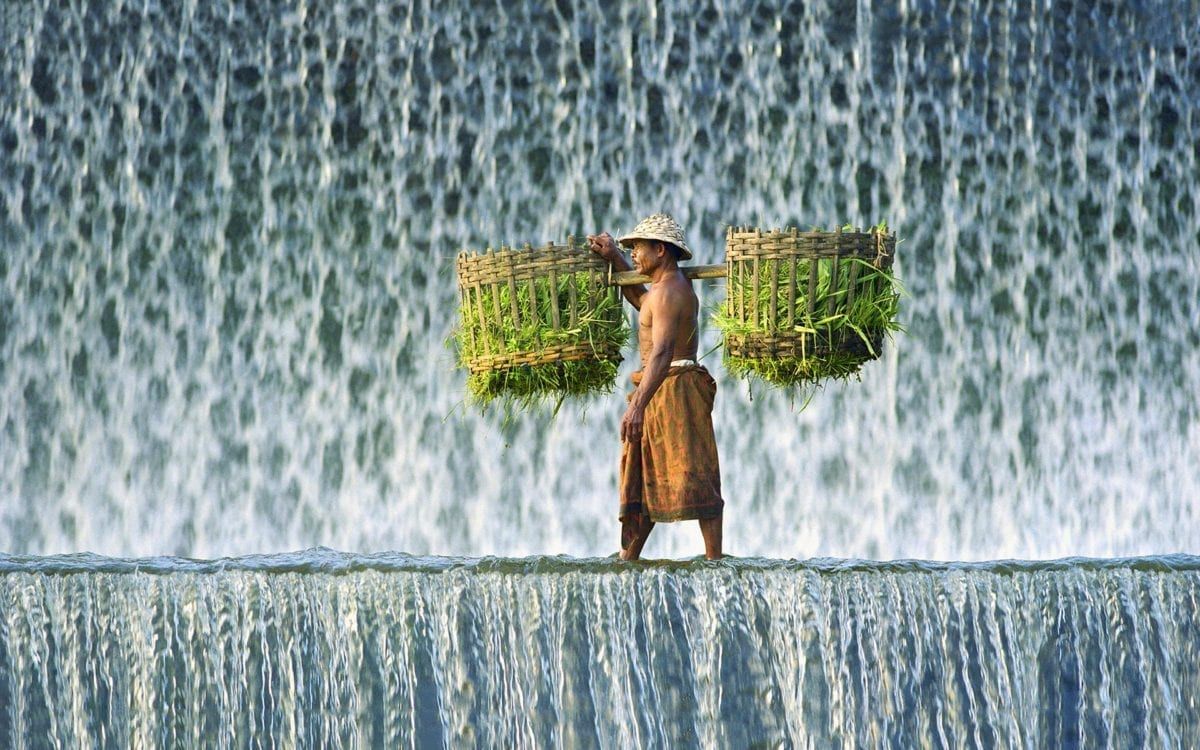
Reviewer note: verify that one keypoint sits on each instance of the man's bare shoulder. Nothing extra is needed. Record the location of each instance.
(670, 295)
(650, 300)
(676, 293)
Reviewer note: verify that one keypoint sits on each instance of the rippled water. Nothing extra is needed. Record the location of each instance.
(332, 650)
(228, 232)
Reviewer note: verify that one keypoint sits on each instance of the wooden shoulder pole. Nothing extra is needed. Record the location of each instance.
(629, 278)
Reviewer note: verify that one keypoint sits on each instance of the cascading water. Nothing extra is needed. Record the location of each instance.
(334, 651)
(227, 234)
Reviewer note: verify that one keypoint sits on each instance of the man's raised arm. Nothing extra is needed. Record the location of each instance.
(606, 247)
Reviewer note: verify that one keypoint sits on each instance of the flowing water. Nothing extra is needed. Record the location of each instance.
(331, 650)
(227, 238)
(229, 232)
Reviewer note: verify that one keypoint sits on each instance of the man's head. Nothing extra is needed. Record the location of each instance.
(649, 255)
(662, 230)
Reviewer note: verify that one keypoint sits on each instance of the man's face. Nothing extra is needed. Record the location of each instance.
(647, 255)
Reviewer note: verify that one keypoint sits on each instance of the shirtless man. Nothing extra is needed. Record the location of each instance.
(669, 468)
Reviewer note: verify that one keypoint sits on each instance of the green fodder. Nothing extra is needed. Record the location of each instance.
(832, 341)
(592, 336)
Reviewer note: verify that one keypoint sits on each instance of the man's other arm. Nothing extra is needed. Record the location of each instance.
(665, 312)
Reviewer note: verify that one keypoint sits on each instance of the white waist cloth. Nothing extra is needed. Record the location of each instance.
(682, 362)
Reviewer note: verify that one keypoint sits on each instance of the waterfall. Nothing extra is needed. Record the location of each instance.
(228, 235)
(329, 650)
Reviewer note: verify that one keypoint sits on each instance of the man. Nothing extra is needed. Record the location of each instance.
(669, 469)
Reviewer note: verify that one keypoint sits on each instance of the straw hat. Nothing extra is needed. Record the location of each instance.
(659, 227)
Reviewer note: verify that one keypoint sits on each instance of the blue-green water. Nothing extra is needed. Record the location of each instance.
(228, 236)
(325, 649)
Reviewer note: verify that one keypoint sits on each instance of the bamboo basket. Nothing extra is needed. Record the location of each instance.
(785, 293)
(788, 297)
(558, 300)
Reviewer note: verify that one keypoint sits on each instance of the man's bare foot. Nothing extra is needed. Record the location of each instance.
(710, 529)
(635, 530)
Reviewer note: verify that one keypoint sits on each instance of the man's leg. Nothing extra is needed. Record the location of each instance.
(635, 530)
(710, 529)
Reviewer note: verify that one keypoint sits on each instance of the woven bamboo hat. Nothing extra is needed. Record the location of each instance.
(659, 227)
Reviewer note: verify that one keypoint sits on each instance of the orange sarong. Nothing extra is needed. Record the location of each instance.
(672, 474)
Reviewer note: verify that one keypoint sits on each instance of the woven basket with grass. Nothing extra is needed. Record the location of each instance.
(802, 307)
(538, 322)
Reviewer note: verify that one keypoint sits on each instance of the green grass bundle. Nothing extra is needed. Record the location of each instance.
(523, 357)
(830, 339)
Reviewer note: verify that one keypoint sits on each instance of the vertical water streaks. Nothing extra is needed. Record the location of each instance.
(228, 231)
(590, 654)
